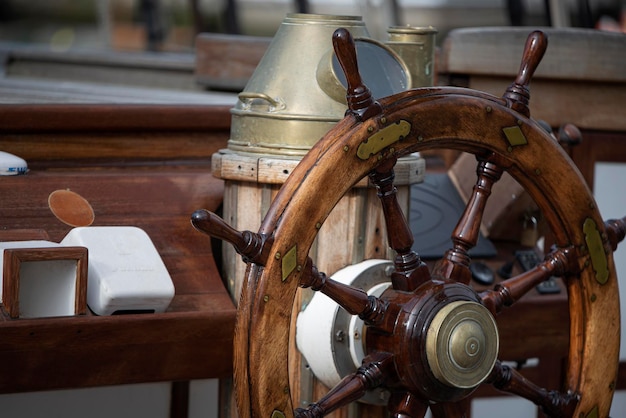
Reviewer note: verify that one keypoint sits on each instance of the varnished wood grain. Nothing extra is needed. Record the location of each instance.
(193, 339)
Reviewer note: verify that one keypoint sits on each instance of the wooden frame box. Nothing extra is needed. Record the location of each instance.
(45, 281)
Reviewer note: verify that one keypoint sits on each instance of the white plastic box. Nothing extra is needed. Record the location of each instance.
(126, 273)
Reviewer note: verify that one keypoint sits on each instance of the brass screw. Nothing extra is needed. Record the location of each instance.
(277, 256)
(383, 120)
(370, 129)
(346, 148)
(266, 298)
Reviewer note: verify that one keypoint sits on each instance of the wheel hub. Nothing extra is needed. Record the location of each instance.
(462, 344)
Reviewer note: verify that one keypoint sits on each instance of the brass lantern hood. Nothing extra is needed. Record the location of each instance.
(297, 92)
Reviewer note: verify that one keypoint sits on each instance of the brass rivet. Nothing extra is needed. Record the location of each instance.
(346, 148)
(299, 268)
(383, 120)
(370, 129)
(380, 157)
(318, 225)
(488, 109)
(277, 256)
(420, 138)
(520, 122)
(392, 150)
(266, 298)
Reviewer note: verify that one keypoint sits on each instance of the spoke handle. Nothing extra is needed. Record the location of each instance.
(251, 246)
(518, 93)
(360, 101)
(616, 230)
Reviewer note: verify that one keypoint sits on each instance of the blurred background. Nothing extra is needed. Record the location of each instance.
(171, 25)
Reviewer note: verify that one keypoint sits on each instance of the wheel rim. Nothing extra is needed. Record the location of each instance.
(438, 118)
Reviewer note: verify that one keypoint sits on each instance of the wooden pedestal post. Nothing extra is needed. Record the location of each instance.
(354, 231)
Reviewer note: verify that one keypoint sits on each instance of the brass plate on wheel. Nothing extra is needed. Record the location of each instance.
(596, 251)
(383, 138)
(515, 136)
(289, 262)
(277, 414)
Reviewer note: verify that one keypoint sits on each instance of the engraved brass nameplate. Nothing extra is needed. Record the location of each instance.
(383, 138)
(596, 250)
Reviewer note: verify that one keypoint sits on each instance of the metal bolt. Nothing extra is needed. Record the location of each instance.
(339, 336)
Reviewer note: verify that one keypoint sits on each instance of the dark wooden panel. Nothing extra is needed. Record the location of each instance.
(193, 339)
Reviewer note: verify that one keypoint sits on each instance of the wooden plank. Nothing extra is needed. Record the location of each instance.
(227, 61)
(573, 53)
(137, 68)
(588, 105)
(70, 135)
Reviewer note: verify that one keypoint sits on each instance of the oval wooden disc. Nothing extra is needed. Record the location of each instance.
(70, 208)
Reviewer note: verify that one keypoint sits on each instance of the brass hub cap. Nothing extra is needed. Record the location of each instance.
(462, 344)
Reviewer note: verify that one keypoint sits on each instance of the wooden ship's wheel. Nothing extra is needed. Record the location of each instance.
(431, 338)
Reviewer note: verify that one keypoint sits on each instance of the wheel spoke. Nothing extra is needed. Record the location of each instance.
(455, 262)
(410, 270)
(407, 405)
(459, 409)
(370, 309)
(372, 374)
(554, 403)
(560, 262)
